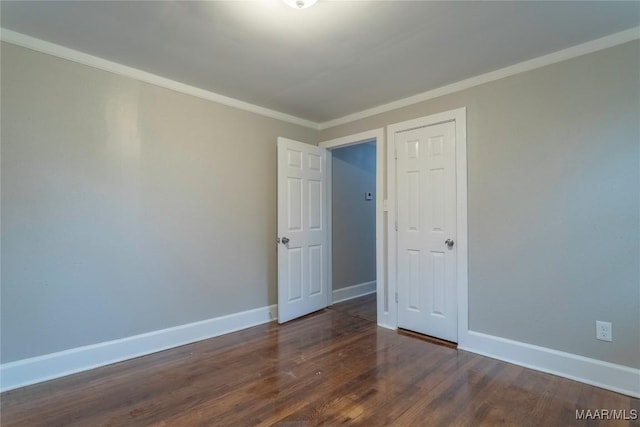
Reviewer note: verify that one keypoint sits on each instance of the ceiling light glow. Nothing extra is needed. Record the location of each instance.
(300, 4)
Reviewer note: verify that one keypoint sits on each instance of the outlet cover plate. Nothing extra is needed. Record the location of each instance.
(603, 331)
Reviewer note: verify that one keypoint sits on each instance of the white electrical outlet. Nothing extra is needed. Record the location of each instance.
(603, 331)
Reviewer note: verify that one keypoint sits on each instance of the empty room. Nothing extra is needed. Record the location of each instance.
(317, 212)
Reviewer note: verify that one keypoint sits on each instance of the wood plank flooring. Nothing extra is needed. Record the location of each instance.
(363, 307)
(328, 368)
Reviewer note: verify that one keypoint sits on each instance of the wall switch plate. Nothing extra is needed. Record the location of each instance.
(368, 195)
(603, 331)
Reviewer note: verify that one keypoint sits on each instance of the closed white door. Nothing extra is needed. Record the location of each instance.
(302, 229)
(426, 209)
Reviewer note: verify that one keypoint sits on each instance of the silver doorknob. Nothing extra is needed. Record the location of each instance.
(285, 240)
(449, 243)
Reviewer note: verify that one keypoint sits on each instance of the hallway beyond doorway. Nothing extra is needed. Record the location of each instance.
(363, 307)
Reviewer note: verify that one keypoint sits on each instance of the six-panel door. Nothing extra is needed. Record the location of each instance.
(302, 260)
(426, 208)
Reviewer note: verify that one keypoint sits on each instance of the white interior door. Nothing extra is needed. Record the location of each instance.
(302, 229)
(426, 209)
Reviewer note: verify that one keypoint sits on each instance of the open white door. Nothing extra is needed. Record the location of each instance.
(302, 229)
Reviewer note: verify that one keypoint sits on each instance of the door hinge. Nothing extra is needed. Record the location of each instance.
(396, 297)
(395, 153)
(396, 225)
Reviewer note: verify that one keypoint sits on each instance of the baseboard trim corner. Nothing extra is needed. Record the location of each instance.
(351, 292)
(610, 376)
(37, 369)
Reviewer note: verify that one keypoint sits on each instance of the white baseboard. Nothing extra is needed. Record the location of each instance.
(354, 291)
(42, 368)
(618, 378)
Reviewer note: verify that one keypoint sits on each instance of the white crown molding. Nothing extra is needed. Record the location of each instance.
(55, 365)
(53, 49)
(532, 64)
(103, 64)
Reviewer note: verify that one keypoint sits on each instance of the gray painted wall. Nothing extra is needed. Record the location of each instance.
(126, 207)
(354, 218)
(553, 202)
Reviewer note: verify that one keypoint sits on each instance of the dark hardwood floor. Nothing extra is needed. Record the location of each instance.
(363, 307)
(327, 368)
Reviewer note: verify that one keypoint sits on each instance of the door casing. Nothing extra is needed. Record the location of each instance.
(386, 243)
(459, 117)
(377, 136)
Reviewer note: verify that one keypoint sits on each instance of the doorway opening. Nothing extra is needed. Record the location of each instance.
(353, 229)
(356, 241)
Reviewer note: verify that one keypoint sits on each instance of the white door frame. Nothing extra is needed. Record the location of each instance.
(376, 135)
(459, 117)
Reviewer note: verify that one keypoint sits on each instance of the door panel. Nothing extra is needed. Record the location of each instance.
(294, 259)
(302, 205)
(426, 180)
(294, 204)
(315, 205)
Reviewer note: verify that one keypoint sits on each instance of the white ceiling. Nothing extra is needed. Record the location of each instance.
(322, 63)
